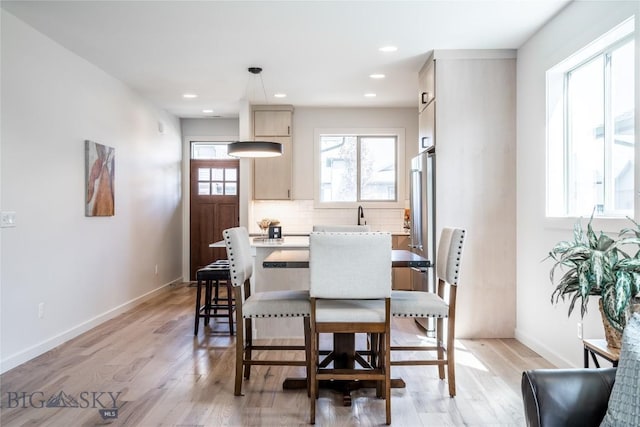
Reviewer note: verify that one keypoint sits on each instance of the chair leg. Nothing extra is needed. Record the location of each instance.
(239, 349)
(207, 302)
(378, 358)
(216, 296)
(313, 364)
(307, 350)
(230, 305)
(374, 349)
(387, 372)
(313, 391)
(439, 345)
(198, 301)
(451, 362)
(248, 347)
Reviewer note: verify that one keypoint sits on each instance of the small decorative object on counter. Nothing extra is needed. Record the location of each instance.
(407, 219)
(264, 225)
(275, 232)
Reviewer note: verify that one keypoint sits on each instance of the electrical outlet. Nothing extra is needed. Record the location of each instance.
(41, 310)
(7, 219)
(580, 330)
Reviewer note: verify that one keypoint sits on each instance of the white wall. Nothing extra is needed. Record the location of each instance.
(540, 325)
(84, 270)
(209, 127)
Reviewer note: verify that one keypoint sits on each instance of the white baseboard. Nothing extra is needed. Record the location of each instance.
(44, 346)
(543, 350)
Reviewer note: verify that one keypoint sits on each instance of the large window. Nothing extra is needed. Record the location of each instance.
(358, 168)
(591, 129)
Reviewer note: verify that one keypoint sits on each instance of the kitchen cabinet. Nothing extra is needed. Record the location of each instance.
(272, 123)
(472, 120)
(401, 276)
(272, 176)
(426, 85)
(427, 127)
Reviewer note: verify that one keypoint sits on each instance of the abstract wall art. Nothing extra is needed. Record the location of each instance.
(100, 174)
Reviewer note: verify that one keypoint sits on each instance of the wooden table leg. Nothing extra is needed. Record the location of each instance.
(344, 349)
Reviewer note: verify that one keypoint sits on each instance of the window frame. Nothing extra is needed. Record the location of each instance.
(398, 133)
(559, 128)
(195, 144)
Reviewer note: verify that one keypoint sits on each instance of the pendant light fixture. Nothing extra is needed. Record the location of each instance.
(255, 148)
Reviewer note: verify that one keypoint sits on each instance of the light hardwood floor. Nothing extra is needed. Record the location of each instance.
(168, 377)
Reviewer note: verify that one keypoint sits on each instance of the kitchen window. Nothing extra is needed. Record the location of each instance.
(358, 168)
(590, 123)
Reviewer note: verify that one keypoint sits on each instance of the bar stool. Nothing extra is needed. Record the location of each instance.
(210, 278)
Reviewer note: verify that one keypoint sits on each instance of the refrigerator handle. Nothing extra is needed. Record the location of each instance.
(415, 195)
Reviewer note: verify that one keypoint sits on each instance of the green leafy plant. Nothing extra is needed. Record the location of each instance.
(597, 265)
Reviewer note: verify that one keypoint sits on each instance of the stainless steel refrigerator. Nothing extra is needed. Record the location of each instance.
(423, 224)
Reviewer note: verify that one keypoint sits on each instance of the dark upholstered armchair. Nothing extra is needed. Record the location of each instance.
(566, 397)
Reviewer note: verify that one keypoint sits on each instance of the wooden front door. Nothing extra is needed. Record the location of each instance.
(214, 207)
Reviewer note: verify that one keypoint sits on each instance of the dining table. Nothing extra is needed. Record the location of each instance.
(344, 345)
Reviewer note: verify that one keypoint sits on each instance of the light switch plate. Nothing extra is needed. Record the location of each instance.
(7, 219)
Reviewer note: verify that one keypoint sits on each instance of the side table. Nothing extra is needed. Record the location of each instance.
(598, 347)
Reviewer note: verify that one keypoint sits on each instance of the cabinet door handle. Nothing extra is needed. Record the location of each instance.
(288, 130)
(288, 194)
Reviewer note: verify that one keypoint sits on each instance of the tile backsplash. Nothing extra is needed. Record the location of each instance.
(299, 216)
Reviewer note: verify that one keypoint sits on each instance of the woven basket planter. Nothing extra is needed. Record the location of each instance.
(611, 334)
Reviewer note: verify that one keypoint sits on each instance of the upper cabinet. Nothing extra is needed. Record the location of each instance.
(426, 84)
(272, 123)
(272, 177)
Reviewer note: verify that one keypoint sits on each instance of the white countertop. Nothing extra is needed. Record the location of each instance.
(297, 241)
(285, 242)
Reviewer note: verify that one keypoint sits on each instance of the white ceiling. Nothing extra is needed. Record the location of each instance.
(320, 53)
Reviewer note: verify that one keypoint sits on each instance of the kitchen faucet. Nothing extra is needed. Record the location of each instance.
(361, 220)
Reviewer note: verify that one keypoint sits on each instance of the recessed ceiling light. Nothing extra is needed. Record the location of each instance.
(388, 49)
(280, 95)
(377, 76)
(189, 95)
(207, 111)
(370, 95)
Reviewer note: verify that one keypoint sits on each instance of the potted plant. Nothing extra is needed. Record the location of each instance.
(601, 266)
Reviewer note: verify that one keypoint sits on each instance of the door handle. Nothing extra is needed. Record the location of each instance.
(424, 97)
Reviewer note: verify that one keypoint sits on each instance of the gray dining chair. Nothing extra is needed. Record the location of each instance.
(350, 289)
(439, 306)
(288, 303)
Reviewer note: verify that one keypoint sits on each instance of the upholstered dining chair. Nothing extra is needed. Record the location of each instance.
(440, 306)
(259, 305)
(350, 289)
(343, 228)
